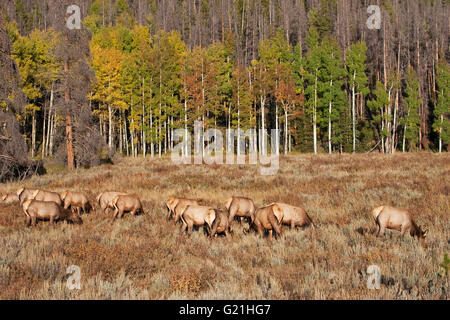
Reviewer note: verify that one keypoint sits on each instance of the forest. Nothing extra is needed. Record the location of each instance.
(139, 69)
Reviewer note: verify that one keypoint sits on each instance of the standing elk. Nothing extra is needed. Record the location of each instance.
(268, 218)
(195, 215)
(47, 210)
(295, 216)
(387, 217)
(240, 207)
(220, 224)
(104, 200)
(181, 205)
(76, 200)
(126, 203)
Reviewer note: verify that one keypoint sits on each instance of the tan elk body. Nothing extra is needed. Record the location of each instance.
(268, 218)
(126, 203)
(77, 200)
(240, 207)
(104, 199)
(181, 205)
(387, 217)
(295, 216)
(195, 215)
(47, 210)
(220, 224)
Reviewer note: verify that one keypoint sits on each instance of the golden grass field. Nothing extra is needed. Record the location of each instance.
(145, 257)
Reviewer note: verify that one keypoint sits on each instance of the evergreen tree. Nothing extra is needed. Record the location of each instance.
(441, 112)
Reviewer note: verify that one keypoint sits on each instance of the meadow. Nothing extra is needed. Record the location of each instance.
(145, 257)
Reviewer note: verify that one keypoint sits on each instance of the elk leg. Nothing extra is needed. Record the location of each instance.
(28, 221)
(382, 230)
(190, 226)
(52, 220)
(183, 227)
(33, 221)
(377, 230)
(121, 212)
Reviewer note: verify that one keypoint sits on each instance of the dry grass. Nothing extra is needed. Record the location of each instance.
(145, 257)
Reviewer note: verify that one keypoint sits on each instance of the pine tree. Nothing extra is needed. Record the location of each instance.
(441, 112)
(411, 120)
(376, 107)
(357, 80)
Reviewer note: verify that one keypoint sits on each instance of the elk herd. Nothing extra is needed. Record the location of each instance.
(39, 204)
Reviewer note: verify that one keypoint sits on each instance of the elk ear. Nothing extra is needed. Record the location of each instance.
(424, 234)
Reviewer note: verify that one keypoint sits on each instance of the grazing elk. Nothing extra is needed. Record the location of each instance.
(126, 203)
(76, 200)
(104, 200)
(295, 216)
(47, 210)
(220, 224)
(268, 218)
(195, 215)
(240, 207)
(387, 217)
(182, 204)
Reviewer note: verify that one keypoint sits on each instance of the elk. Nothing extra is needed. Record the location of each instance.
(387, 217)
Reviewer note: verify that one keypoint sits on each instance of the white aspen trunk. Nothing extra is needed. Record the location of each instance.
(120, 135)
(329, 128)
(49, 122)
(132, 138)
(52, 133)
(185, 130)
(315, 116)
(285, 130)
(353, 114)
(144, 142)
(277, 136)
(126, 135)
(43, 132)
(329, 122)
(110, 127)
(394, 124)
(263, 126)
(382, 128)
(33, 133)
(440, 134)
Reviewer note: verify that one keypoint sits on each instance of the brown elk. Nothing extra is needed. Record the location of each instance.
(387, 217)
(126, 203)
(268, 218)
(195, 215)
(47, 210)
(76, 200)
(240, 207)
(104, 200)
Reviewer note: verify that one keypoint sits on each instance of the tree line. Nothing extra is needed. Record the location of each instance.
(311, 69)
